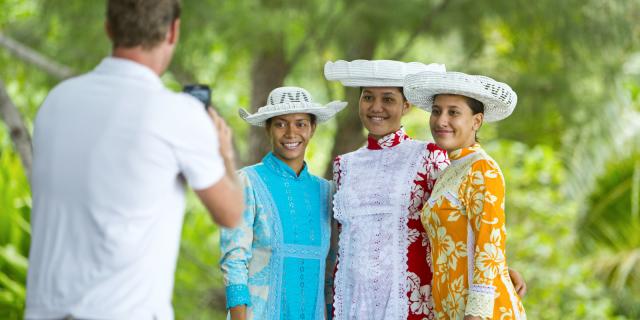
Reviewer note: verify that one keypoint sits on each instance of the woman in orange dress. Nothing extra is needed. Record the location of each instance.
(464, 217)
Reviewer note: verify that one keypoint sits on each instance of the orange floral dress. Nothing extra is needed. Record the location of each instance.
(464, 219)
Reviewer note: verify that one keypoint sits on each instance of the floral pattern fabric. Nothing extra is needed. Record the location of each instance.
(465, 222)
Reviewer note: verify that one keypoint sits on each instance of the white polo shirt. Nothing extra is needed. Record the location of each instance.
(110, 148)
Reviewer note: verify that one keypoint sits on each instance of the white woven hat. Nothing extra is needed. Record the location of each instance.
(498, 98)
(375, 73)
(287, 100)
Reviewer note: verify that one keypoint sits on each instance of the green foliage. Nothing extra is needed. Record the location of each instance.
(605, 182)
(569, 152)
(609, 229)
(15, 204)
(541, 238)
(198, 291)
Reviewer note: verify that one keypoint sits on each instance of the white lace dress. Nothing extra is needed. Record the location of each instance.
(379, 191)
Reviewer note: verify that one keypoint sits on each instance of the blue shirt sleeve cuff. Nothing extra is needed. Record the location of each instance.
(237, 294)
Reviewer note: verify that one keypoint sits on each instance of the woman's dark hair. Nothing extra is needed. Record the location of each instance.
(311, 116)
(475, 105)
(401, 89)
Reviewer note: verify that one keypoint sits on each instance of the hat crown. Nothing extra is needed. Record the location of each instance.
(498, 98)
(289, 95)
(375, 73)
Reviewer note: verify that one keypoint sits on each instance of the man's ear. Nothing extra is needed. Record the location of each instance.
(107, 29)
(174, 32)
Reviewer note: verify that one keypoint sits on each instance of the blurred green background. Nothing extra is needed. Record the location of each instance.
(570, 152)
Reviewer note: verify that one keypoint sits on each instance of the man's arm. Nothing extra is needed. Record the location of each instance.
(224, 199)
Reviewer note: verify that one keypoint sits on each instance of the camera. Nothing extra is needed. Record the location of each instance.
(202, 92)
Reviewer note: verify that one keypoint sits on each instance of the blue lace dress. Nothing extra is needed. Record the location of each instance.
(274, 262)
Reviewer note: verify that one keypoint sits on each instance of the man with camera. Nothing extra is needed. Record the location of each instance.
(112, 151)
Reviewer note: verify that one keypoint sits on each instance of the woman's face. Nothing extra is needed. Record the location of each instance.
(381, 110)
(453, 124)
(290, 135)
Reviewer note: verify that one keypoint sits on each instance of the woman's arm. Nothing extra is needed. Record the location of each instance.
(484, 199)
(330, 269)
(518, 282)
(332, 256)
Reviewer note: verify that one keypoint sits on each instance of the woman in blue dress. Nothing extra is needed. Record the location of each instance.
(274, 262)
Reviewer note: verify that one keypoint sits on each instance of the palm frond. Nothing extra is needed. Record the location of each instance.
(604, 180)
(621, 268)
(612, 134)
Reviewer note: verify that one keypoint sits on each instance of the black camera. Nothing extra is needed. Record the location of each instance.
(202, 92)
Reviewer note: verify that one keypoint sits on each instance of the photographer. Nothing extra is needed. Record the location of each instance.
(110, 150)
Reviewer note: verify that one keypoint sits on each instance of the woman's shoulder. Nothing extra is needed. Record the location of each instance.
(482, 158)
(355, 152)
(483, 162)
(319, 180)
(245, 174)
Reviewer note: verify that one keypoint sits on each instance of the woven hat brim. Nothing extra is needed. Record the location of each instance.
(375, 73)
(498, 98)
(322, 113)
(372, 82)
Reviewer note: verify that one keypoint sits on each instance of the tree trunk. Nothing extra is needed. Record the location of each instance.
(268, 72)
(8, 111)
(349, 134)
(35, 58)
(16, 128)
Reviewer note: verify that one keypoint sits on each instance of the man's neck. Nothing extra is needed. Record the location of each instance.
(152, 58)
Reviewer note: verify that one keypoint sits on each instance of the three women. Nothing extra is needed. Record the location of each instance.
(384, 269)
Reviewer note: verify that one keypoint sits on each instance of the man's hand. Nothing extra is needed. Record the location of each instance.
(224, 135)
(224, 200)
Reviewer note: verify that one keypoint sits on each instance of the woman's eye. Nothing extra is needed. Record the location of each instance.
(367, 98)
(388, 100)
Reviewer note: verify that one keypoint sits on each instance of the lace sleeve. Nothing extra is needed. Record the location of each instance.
(236, 250)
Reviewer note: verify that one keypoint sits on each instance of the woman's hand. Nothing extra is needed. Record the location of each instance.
(518, 282)
(238, 312)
